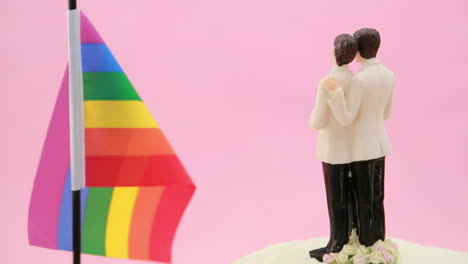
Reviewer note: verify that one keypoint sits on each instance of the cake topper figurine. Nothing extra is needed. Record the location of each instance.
(349, 114)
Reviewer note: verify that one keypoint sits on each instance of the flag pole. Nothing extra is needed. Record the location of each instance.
(71, 4)
(76, 112)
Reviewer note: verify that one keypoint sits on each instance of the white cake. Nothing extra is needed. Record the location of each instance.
(297, 252)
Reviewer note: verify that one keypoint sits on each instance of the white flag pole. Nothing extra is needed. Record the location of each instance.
(77, 150)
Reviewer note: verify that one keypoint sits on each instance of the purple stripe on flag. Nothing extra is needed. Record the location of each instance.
(88, 32)
(50, 178)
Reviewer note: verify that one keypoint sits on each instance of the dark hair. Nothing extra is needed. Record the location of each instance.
(346, 48)
(368, 40)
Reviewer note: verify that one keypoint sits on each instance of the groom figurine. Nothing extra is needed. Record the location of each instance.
(333, 146)
(362, 109)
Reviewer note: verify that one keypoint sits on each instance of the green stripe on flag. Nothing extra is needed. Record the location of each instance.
(95, 221)
(108, 86)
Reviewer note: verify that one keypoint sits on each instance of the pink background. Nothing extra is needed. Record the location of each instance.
(232, 84)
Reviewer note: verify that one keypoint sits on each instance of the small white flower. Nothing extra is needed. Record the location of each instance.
(363, 250)
(376, 257)
(350, 250)
(342, 258)
(394, 252)
(356, 245)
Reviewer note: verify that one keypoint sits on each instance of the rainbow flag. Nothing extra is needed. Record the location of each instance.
(137, 188)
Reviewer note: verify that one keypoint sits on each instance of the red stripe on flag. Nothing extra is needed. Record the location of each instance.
(112, 171)
(171, 208)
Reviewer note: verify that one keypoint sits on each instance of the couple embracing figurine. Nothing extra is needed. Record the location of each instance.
(349, 114)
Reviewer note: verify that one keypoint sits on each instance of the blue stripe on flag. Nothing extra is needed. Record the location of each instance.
(65, 230)
(96, 57)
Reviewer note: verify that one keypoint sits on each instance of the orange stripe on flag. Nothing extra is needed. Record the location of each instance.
(142, 222)
(126, 142)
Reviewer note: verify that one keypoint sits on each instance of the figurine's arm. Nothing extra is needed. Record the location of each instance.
(319, 117)
(388, 107)
(345, 109)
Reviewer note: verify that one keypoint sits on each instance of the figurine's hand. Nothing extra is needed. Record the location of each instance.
(329, 83)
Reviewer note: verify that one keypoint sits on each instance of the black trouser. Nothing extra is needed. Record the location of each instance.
(337, 186)
(357, 200)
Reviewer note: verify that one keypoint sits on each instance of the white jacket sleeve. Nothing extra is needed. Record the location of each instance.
(345, 109)
(319, 117)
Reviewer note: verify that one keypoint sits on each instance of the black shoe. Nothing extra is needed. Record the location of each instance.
(318, 253)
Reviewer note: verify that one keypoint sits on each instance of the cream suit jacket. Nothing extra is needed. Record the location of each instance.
(333, 144)
(363, 109)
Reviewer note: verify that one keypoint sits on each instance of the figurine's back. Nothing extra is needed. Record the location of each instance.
(370, 138)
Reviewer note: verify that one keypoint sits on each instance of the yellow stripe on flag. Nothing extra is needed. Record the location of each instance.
(119, 221)
(118, 114)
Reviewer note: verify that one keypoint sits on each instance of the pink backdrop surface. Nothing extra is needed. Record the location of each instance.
(232, 84)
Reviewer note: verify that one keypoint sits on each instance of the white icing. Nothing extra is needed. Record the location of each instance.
(297, 252)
